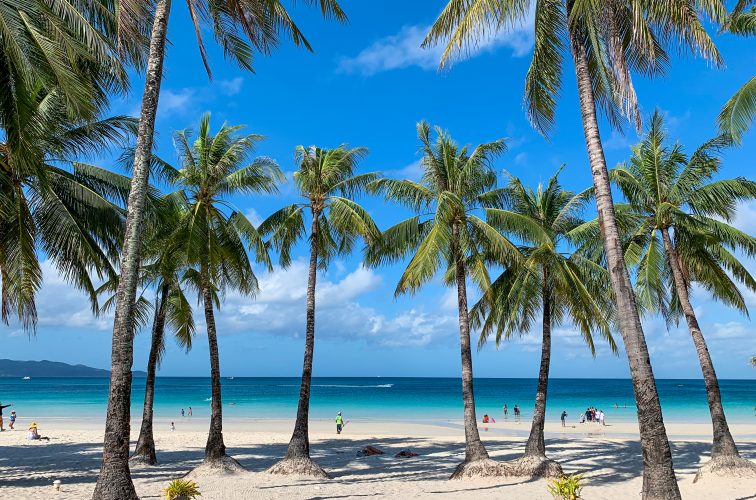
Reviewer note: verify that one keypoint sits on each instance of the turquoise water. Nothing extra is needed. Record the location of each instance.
(374, 398)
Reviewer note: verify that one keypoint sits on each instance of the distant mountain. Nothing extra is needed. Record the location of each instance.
(11, 368)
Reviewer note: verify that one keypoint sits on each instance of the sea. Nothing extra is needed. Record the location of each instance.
(392, 399)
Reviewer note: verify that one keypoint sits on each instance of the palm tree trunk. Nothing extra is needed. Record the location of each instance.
(658, 473)
(215, 449)
(474, 449)
(299, 446)
(535, 445)
(114, 481)
(724, 444)
(145, 447)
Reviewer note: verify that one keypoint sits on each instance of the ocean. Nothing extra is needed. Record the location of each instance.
(417, 399)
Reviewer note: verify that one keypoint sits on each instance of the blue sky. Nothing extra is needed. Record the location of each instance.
(367, 84)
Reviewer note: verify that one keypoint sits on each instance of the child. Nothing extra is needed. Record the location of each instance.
(173, 427)
(12, 419)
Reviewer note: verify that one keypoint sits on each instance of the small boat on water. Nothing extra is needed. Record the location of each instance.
(27, 378)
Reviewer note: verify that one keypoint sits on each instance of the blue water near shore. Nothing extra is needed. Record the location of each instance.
(425, 399)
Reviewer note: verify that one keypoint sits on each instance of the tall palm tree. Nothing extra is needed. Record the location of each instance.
(51, 202)
(325, 178)
(679, 210)
(739, 111)
(261, 22)
(608, 41)
(212, 239)
(567, 288)
(447, 235)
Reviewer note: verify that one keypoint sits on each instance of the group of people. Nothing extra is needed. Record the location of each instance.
(593, 415)
(33, 434)
(185, 414)
(12, 417)
(515, 410)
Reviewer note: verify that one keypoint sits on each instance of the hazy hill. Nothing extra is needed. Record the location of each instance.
(11, 368)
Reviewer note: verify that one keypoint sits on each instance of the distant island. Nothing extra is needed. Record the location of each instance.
(11, 368)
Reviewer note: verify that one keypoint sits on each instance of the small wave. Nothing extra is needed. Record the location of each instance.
(208, 399)
(382, 386)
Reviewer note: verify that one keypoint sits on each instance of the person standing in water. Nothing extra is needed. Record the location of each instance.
(339, 423)
(506, 410)
(190, 411)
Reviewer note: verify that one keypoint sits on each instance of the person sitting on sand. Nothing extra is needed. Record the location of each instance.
(34, 433)
(339, 423)
(485, 418)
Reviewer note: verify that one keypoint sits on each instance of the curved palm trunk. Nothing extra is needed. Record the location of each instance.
(215, 449)
(658, 474)
(299, 446)
(114, 481)
(474, 449)
(724, 444)
(536, 446)
(145, 447)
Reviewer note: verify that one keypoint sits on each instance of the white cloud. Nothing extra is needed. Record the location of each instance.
(745, 218)
(231, 87)
(403, 49)
(412, 172)
(617, 141)
(253, 216)
(176, 100)
(520, 158)
(727, 331)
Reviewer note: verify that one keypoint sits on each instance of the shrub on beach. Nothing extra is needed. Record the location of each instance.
(180, 489)
(566, 487)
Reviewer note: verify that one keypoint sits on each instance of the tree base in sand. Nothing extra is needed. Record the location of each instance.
(533, 466)
(480, 468)
(727, 466)
(142, 460)
(298, 467)
(215, 467)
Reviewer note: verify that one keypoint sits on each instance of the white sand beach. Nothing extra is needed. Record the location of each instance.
(610, 457)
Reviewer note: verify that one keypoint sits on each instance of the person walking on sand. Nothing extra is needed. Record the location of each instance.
(602, 417)
(564, 417)
(339, 423)
(1, 415)
(12, 420)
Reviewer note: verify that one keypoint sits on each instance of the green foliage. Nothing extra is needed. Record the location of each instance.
(619, 38)
(577, 289)
(670, 191)
(326, 179)
(457, 186)
(566, 487)
(50, 202)
(180, 489)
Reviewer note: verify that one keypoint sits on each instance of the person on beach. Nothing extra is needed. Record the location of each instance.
(517, 412)
(602, 417)
(34, 433)
(182, 412)
(563, 417)
(1, 415)
(12, 420)
(339, 423)
(485, 418)
(190, 411)
(173, 427)
(506, 410)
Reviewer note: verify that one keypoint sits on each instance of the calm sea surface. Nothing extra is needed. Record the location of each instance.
(428, 399)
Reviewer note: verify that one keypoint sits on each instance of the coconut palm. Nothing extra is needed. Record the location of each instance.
(608, 42)
(326, 179)
(261, 23)
(52, 203)
(738, 113)
(565, 287)
(679, 210)
(447, 235)
(211, 238)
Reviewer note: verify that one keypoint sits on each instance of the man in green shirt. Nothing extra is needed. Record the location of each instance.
(339, 423)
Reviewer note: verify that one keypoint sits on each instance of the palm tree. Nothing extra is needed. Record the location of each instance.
(447, 235)
(565, 287)
(262, 23)
(738, 113)
(325, 179)
(50, 202)
(608, 41)
(211, 240)
(679, 210)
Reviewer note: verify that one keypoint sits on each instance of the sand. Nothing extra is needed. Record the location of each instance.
(610, 458)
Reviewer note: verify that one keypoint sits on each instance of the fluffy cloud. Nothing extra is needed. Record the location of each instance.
(403, 49)
(231, 87)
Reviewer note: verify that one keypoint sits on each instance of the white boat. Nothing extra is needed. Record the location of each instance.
(27, 378)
